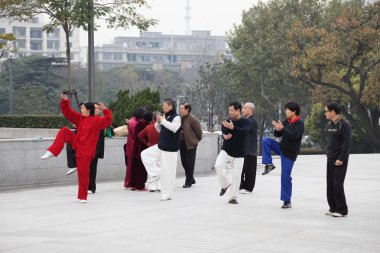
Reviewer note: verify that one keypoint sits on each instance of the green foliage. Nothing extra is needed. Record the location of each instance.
(33, 121)
(125, 104)
(315, 125)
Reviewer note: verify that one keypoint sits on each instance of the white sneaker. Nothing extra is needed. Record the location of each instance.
(71, 171)
(83, 201)
(90, 192)
(337, 215)
(153, 179)
(47, 155)
(244, 191)
(165, 197)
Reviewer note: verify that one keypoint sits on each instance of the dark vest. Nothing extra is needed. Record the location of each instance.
(169, 141)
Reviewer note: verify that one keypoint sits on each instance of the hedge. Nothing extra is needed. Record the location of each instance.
(33, 121)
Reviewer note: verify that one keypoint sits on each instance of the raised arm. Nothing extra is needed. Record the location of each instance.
(172, 126)
(68, 112)
(143, 136)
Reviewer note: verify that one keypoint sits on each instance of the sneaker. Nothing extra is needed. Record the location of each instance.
(287, 204)
(193, 182)
(90, 192)
(268, 168)
(153, 179)
(233, 201)
(244, 191)
(186, 186)
(71, 171)
(337, 215)
(83, 201)
(165, 197)
(223, 190)
(47, 155)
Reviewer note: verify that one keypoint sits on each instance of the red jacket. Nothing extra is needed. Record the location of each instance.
(149, 136)
(88, 129)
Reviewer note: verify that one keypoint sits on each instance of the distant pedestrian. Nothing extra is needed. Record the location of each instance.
(338, 151)
(191, 134)
(160, 160)
(231, 156)
(290, 131)
(248, 175)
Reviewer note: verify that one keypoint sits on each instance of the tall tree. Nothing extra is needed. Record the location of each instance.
(72, 14)
(342, 57)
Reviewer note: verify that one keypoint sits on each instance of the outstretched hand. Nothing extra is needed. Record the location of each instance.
(102, 106)
(63, 97)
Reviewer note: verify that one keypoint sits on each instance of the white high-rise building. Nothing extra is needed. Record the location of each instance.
(30, 39)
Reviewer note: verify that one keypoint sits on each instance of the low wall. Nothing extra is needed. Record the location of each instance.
(20, 163)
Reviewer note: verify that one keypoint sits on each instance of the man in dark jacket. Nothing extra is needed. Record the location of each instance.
(291, 131)
(234, 132)
(160, 160)
(191, 134)
(248, 176)
(338, 151)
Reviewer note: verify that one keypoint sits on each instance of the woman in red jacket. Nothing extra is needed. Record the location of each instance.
(84, 142)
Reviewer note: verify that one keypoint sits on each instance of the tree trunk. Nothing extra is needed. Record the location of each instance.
(68, 56)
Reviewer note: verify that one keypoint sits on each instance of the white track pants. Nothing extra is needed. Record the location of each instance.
(161, 163)
(221, 167)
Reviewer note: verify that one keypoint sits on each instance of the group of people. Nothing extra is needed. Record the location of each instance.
(152, 148)
(241, 128)
(154, 139)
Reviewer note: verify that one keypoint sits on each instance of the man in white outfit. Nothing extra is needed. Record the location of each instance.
(160, 160)
(234, 132)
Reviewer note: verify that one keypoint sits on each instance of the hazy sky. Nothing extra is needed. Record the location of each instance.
(215, 15)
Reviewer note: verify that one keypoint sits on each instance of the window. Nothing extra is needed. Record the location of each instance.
(35, 45)
(53, 34)
(107, 56)
(52, 44)
(35, 33)
(131, 57)
(35, 20)
(2, 30)
(19, 31)
(117, 56)
(20, 43)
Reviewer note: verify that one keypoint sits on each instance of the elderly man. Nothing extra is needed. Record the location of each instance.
(248, 176)
(191, 134)
(160, 160)
(234, 132)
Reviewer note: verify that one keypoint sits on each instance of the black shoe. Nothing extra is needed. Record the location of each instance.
(193, 182)
(268, 168)
(287, 204)
(186, 186)
(233, 201)
(223, 190)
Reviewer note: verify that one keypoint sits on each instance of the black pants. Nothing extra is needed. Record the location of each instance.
(248, 175)
(335, 187)
(188, 162)
(93, 169)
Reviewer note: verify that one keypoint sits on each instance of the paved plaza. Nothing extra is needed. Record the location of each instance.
(197, 220)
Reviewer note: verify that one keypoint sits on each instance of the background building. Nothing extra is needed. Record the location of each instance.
(161, 51)
(30, 39)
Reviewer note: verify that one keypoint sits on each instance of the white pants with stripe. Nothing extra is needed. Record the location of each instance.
(223, 163)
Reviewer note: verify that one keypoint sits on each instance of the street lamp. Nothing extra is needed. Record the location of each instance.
(11, 84)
